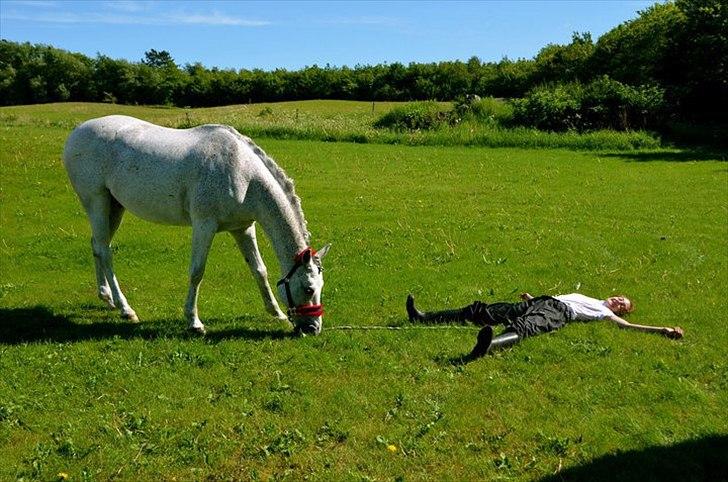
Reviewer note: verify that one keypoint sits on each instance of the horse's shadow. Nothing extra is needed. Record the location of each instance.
(700, 459)
(39, 324)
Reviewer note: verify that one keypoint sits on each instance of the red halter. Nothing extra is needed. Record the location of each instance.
(310, 310)
(313, 311)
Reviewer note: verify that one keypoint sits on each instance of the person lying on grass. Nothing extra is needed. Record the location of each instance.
(534, 316)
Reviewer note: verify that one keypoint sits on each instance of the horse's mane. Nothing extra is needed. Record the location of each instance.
(284, 181)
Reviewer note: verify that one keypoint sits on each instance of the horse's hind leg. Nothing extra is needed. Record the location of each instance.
(104, 214)
(116, 211)
(103, 285)
(248, 245)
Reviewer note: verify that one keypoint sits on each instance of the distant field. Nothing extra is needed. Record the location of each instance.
(85, 394)
(358, 115)
(333, 121)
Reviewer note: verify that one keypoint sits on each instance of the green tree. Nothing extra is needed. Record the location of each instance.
(9, 63)
(507, 78)
(113, 80)
(158, 59)
(640, 50)
(700, 77)
(565, 63)
(159, 80)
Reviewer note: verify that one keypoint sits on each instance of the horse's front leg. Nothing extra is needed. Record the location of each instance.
(202, 234)
(248, 245)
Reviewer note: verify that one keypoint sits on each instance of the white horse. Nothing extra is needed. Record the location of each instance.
(210, 177)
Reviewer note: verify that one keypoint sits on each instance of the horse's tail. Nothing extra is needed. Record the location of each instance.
(284, 181)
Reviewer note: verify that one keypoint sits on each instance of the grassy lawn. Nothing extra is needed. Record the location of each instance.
(84, 394)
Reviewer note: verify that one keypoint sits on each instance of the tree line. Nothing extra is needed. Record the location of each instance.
(677, 51)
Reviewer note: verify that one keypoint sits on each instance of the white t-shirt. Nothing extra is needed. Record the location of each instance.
(585, 308)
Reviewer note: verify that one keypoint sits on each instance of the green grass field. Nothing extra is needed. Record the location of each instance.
(86, 396)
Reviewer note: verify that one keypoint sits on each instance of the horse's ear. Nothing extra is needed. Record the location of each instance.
(322, 252)
(306, 258)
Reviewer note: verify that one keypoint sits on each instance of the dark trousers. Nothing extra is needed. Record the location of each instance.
(527, 318)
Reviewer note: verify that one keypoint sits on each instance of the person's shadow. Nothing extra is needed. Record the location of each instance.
(40, 324)
(702, 459)
(459, 360)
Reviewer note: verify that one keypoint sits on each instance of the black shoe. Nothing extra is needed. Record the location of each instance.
(457, 315)
(485, 336)
(412, 312)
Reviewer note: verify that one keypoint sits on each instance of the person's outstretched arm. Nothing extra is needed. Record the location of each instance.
(674, 333)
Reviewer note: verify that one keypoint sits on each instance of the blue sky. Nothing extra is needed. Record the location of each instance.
(291, 35)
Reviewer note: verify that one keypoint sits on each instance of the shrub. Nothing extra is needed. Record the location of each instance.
(414, 116)
(602, 104)
(553, 108)
(609, 104)
(488, 110)
(265, 112)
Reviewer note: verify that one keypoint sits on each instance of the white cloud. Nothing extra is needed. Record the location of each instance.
(128, 19)
(215, 19)
(130, 6)
(29, 3)
(32, 3)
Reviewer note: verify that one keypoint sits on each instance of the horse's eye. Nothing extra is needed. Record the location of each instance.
(308, 291)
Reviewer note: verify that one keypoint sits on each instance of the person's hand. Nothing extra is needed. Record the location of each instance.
(673, 333)
(526, 296)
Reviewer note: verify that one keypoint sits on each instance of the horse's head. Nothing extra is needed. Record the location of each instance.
(301, 289)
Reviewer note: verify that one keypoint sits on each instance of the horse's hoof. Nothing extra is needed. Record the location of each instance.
(130, 317)
(197, 330)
